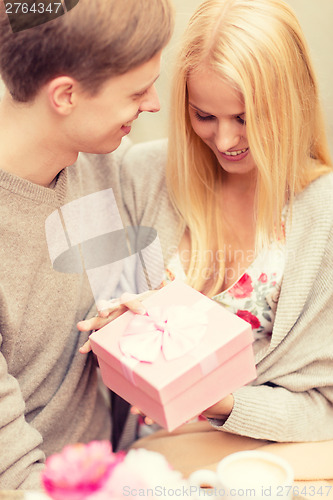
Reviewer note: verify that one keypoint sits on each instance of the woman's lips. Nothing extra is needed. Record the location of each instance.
(236, 155)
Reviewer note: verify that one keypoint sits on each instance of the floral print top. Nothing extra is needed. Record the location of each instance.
(253, 297)
(255, 294)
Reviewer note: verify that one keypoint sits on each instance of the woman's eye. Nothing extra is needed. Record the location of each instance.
(203, 118)
(241, 120)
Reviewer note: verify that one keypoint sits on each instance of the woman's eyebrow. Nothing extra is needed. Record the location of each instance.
(234, 115)
(205, 112)
(198, 109)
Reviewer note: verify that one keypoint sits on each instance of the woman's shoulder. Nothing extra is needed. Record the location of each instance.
(315, 201)
(309, 227)
(143, 165)
(310, 221)
(319, 189)
(146, 154)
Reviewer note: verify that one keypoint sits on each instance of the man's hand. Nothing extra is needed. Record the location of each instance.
(108, 311)
(147, 420)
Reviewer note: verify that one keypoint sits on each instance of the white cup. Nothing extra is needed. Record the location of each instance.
(246, 475)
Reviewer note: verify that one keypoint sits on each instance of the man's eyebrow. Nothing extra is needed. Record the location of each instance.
(137, 92)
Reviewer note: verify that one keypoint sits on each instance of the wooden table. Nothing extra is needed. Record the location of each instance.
(11, 495)
(23, 495)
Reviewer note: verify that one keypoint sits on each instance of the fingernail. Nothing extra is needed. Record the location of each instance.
(103, 314)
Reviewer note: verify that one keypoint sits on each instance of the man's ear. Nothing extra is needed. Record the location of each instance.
(61, 93)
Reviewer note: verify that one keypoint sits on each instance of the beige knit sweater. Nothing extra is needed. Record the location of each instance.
(292, 397)
(48, 390)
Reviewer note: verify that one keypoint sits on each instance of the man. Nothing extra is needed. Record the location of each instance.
(74, 84)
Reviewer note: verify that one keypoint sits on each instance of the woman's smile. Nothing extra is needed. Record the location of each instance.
(236, 155)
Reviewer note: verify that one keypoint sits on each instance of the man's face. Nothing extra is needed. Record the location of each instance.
(99, 123)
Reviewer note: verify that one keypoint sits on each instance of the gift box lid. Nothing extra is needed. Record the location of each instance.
(225, 335)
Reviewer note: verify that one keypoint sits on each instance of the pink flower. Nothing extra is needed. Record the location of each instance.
(263, 278)
(140, 470)
(243, 288)
(93, 472)
(79, 470)
(249, 317)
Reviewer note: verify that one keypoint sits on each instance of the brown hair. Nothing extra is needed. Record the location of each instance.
(92, 42)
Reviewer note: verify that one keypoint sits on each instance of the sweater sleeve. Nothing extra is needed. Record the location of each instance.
(278, 414)
(292, 398)
(21, 459)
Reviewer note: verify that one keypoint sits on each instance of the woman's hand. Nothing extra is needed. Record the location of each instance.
(220, 410)
(108, 311)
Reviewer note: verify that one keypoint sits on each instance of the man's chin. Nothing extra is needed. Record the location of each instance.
(103, 150)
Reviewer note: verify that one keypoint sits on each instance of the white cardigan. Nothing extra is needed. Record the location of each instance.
(292, 397)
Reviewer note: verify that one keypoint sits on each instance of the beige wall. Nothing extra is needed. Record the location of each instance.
(316, 19)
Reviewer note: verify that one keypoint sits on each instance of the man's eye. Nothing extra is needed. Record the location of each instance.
(140, 94)
(203, 118)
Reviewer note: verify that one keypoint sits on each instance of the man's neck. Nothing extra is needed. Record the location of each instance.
(31, 146)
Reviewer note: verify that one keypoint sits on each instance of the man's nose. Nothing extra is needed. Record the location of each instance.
(151, 102)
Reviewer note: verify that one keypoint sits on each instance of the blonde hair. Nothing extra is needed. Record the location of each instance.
(258, 47)
(95, 40)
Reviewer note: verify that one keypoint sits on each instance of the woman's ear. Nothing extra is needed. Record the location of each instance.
(61, 93)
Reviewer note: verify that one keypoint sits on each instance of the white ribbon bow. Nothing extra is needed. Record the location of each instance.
(175, 330)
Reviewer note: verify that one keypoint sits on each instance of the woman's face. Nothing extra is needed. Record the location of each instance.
(217, 115)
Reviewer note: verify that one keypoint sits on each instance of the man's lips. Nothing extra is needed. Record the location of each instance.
(127, 126)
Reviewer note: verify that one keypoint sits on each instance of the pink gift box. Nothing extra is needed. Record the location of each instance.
(172, 391)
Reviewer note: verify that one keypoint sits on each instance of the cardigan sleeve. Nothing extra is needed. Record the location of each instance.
(292, 397)
(278, 414)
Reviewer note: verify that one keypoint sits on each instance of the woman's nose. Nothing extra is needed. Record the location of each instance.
(228, 136)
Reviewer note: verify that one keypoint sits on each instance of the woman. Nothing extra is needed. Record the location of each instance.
(250, 179)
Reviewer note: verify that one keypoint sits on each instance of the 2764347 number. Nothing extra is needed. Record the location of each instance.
(303, 491)
(36, 7)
